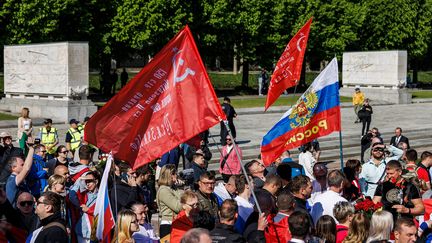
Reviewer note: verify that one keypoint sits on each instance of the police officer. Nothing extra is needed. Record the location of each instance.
(48, 136)
(73, 136)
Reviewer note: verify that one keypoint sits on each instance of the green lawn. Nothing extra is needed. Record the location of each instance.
(260, 102)
(4, 116)
(422, 94)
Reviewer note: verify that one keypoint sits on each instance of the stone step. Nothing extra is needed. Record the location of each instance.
(326, 155)
(330, 142)
(326, 145)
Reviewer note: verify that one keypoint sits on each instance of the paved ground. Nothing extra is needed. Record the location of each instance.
(252, 123)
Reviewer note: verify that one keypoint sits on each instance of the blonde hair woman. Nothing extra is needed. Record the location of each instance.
(127, 224)
(358, 230)
(380, 227)
(167, 199)
(56, 183)
(25, 128)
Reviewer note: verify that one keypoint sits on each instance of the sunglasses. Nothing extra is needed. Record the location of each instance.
(26, 203)
(89, 181)
(228, 139)
(64, 152)
(43, 151)
(378, 150)
(195, 205)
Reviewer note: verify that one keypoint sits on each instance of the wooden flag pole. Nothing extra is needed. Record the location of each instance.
(243, 168)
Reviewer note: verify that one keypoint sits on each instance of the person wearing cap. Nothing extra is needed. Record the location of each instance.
(373, 171)
(7, 151)
(357, 100)
(49, 137)
(73, 136)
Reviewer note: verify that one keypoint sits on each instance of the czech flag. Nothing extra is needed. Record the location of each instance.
(316, 114)
(104, 219)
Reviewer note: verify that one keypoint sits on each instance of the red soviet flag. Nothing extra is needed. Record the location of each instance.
(168, 102)
(288, 69)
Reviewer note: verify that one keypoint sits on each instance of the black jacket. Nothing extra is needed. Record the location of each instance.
(226, 234)
(402, 139)
(251, 232)
(125, 194)
(54, 233)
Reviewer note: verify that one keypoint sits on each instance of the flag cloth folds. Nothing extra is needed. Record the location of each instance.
(104, 218)
(167, 103)
(316, 114)
(288, 69)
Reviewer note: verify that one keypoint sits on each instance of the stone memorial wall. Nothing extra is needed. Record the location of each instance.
(51, 79)
(381, 75)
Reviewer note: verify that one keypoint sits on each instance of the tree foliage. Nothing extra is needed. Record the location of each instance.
(256, 31)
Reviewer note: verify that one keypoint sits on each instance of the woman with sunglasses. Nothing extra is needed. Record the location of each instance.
(83, 195)
(184, 220)
(59, 159)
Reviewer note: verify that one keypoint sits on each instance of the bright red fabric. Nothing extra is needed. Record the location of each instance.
(167, 103)
(179, 227)
(288, 69)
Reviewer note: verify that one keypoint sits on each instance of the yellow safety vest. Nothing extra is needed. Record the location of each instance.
(76, 138)
(49, 138)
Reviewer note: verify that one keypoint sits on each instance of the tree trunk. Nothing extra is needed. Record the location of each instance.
(235, 60)
(415, 71)
(245, 77)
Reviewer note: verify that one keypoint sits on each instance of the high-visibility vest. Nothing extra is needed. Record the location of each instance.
(76, 138)
(49, 138)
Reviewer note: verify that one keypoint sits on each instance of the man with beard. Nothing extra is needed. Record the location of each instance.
(373, 171)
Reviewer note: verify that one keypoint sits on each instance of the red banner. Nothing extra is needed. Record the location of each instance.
(288, 69)
(168, 102)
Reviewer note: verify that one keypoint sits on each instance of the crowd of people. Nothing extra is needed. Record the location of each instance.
(49, 191)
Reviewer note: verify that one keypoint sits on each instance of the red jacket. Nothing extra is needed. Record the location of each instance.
(232, 165)
(277, 229)
(341, 233)
(179, 227)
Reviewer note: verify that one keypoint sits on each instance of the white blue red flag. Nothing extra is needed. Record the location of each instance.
(103, 214)
(316, 114)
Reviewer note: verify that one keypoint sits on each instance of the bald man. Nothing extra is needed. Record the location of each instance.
(63, 171)
(25, 206)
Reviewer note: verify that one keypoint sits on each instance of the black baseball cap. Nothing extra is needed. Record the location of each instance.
(73, 121)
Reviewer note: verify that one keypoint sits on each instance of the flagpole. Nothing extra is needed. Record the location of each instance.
(242, 166)
(341, 150)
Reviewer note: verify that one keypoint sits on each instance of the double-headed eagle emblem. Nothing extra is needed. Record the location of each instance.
(303, 110)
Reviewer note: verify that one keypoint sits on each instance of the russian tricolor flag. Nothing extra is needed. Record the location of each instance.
(103, 213)
(316, 114)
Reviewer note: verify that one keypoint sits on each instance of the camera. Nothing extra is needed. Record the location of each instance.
(37, 141)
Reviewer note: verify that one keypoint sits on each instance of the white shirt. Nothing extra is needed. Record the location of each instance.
(325, 203)
(222, 192)
(317, 190)
(307, 161)
(245, 208)
(145, 234)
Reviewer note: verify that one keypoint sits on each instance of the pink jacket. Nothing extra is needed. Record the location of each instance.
(232, 165)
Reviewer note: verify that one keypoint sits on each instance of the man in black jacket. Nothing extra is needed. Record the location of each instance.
(53, 228)
(224, 232)
(399, 138)
(125, 189)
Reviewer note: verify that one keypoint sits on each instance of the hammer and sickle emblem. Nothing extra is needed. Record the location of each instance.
(188, 71)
